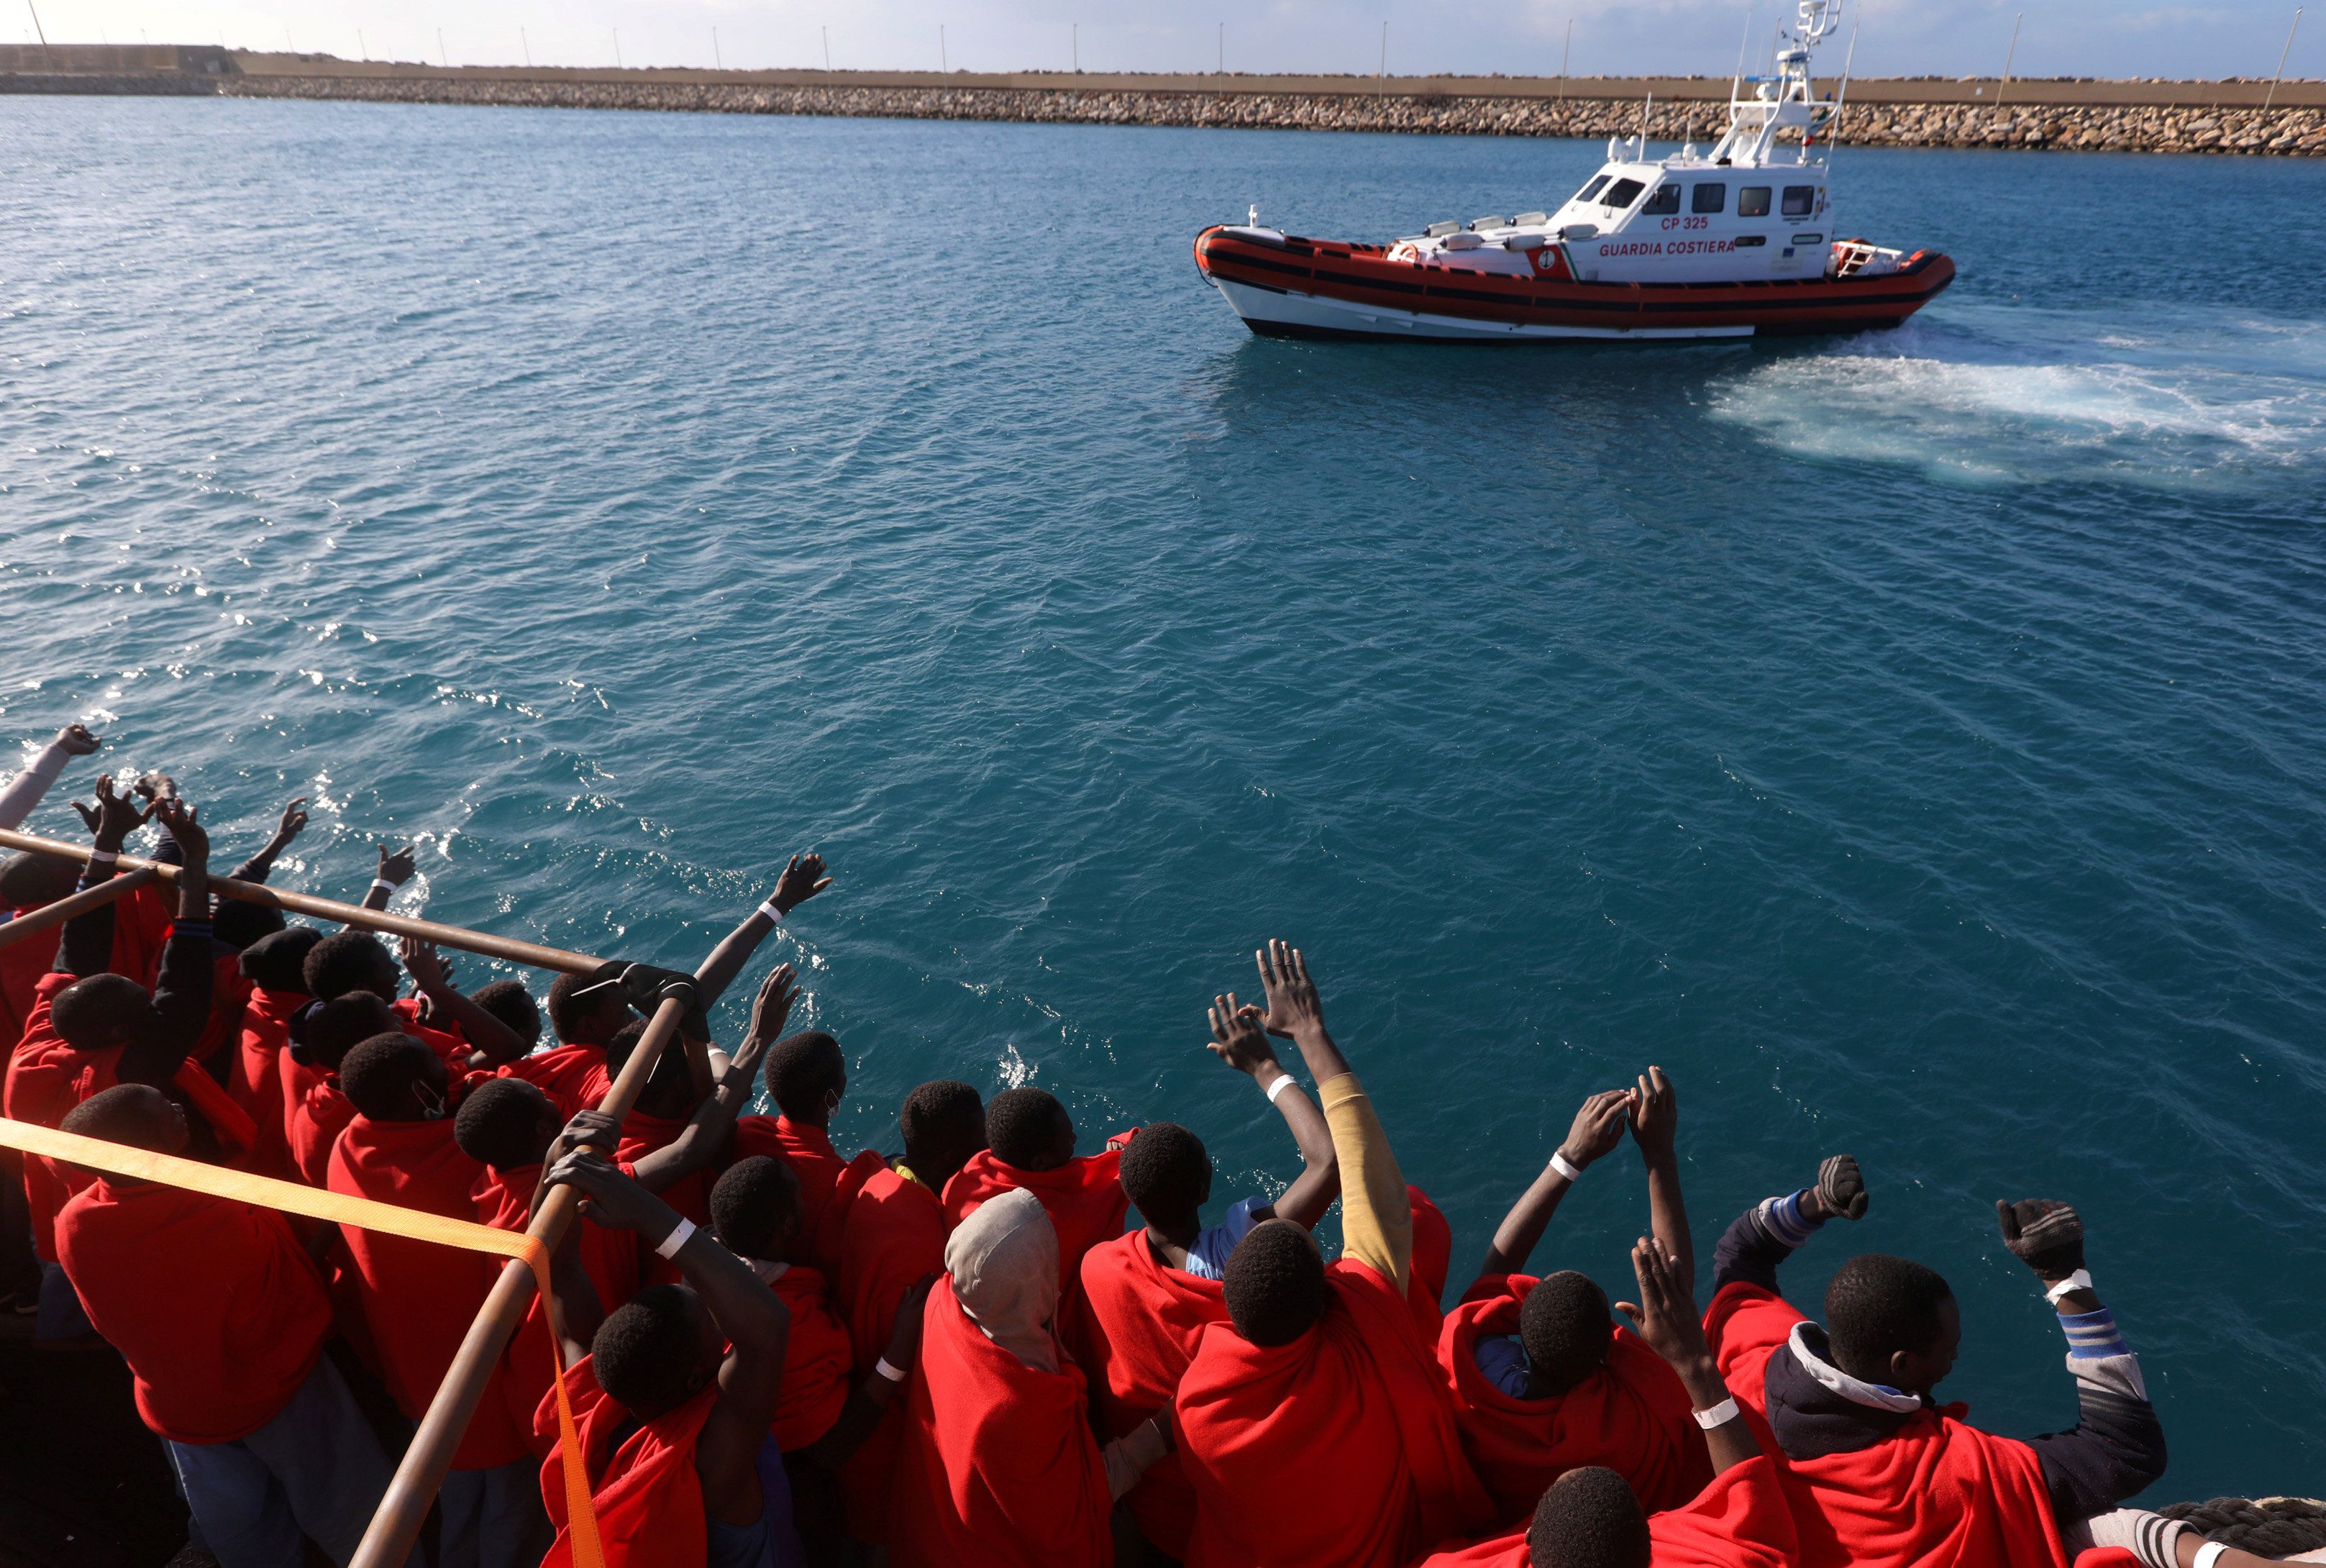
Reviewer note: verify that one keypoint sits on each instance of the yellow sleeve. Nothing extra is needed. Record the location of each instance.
(1376, 1217)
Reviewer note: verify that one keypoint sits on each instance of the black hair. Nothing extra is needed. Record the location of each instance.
(1589, 1519)
(801, 1069)
(1878, 1305)
(944, 1118)
(377, 1076)
(644, 1352)
(352, 960)
(278, 962)
(1166, 1172)
(1026, 1127)
(1274, 1283)
(513, 1004)
(670, 1088)
(754, 1204)
(238, 924)
(568, 1013)
(99, 1010)
(137, 1115)
(27, 879)
(325, 1032)
(498, 1124)
(1565, 1329)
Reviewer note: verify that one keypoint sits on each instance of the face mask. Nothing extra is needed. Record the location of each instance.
(432, 1104)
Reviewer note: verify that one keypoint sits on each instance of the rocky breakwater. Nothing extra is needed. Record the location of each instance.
(2299, 131)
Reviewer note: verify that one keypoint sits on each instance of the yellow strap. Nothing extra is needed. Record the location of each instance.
(317, 1203)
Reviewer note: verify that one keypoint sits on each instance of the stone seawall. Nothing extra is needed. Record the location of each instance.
(2299, 131)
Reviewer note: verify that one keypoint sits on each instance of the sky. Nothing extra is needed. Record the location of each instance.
(1518, 37)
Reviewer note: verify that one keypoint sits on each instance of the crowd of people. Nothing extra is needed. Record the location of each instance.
(966, 1353)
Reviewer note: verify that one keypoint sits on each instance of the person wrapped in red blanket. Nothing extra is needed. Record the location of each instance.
(419, 1299)
(1313, 1425)
(1543, 1379)
(222, 1319)
(1591, 1516)
(1030, 1146)
(1877, 1472)
(998, 1468)
(806, 1076)
(1146, 1297)
(675, 1391)
(893, 1235)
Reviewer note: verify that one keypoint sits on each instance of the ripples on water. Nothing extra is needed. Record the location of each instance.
(1911, 742)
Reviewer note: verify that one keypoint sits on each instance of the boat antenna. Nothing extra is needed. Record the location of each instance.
(1646, 114)
(1744, 44)
(1841, 96)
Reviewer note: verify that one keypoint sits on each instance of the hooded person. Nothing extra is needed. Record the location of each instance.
(222, 1319)
(1543, 1381)
(1031, 1147)
(998, 1468)
(1146, 1297)
(418, 1299)
(1878, 1473)
(1313, 1425)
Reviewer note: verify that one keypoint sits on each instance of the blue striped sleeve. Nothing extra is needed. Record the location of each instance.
(2093, 1335)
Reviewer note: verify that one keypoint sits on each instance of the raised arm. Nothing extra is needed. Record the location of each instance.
(882, 1386)
(1597, 1128)
(1765, 1234)
(1665, 1317)
(1655, 1120)
(26, 789)
(182, 993)
(1376, 1214)
(2116, 1447)
(706, 1132)
(396, 867)
(802, 879)
(85, 947)
(752, 1318)
(1241, 1041)
(494, 1042)
(294, 824)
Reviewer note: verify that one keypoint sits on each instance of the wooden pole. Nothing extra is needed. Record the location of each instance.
(530, 954)
(65, 909)
(388, 1542)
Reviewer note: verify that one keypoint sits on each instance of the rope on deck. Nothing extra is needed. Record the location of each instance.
(2266, 1527)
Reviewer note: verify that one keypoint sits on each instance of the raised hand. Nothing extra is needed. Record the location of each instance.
(157, 786)
(1292, 1003)
(2044, 1234)
(181, 821)
(293, 823)
(803, 878)
(424, 965)
(396, 865)
(1655, 1115)
(904, 1339)
(608, 1197)
(1664, 1316)
(76, 740)
(588, 1130)
(1840, 1191)
(1598, 1126)
(114, 818)
(778, 993)
(1239, 1036)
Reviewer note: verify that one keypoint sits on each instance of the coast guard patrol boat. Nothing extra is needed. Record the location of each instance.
(1732, 243)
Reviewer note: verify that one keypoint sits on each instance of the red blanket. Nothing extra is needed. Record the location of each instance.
(649, 1498)
(1633, 1417)
(1739, 1521)
(610, 1258)
(1938, 1493)
(1134, 1334)
(817, 1361)
(808, 1150)
(1433, 1255)
(894, 1233)
(1337, 1451)
(1084, 1199)
(418, 1297)
(213, 1305)
(47, 1078)
(574, 1076)
(996, 1467)
(257, 1082)
(230, 989)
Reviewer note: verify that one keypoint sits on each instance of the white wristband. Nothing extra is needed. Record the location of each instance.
(893, 1374)
(2209, 1553)
(1566, 1167)
(1720, 1414)
(1278, 1087)
(677, 1238)
(103, 856)
(2081, 1280)
(772, 913)
(378, 883)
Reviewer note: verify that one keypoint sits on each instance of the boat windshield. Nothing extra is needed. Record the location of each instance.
(1591, 190)
(1622, 194)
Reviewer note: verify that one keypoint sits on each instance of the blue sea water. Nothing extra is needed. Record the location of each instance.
(1914, 744)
